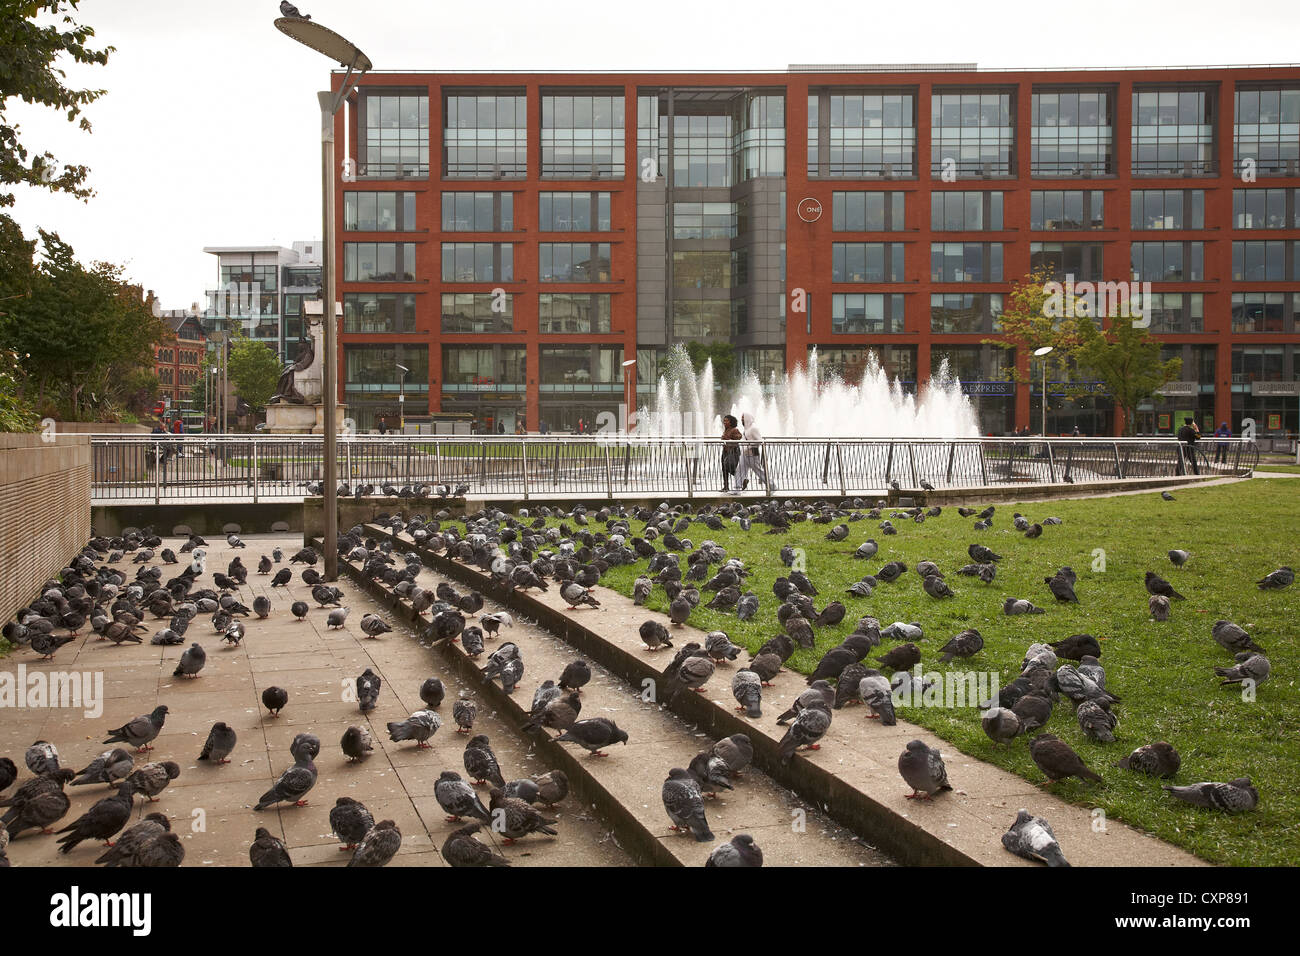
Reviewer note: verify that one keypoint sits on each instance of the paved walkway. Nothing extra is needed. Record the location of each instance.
(211, 807)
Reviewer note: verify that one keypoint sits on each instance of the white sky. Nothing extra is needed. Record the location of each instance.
(208, 133)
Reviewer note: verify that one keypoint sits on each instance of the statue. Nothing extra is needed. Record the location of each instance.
(286, 392)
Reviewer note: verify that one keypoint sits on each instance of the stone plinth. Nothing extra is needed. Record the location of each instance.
(287, 419)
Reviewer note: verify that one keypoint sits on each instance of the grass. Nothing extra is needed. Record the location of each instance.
(1289, 469)
(1163, 671)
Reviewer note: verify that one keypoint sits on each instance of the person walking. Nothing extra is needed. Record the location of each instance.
(1221, 449)
(751, 456)
(381, 425)
(731, 434)
(501, 427)
(1189, 434)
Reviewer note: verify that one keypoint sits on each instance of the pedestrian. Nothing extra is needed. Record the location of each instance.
(541, 428)
(731, 434)
(501, 428)
(579, 426)
(751, 456)
(1221, 449)
(1189, 434)
(1076, 433)
(178, 427)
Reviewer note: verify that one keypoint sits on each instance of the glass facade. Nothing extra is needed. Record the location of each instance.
(1173, 133)
(395, 127)
(1168, 261)
(478, 212)
(1265, 209)
(574, 212)
(972, 134)
(861, 135)
(379, 212)
(485, 135)
(1268, 260)
(867, 212)
(478, 262)
(378, 262)
(867, 262)
(1167, 208)
(574, 262)
(965, 262)
(1071, 134)
(1266, 131)
(582, 135)
(964, 313)
(378, 312)
(565, 313)
(1065, 210)
(856, 313)
(475, 312)
(1083, 260)
(966, 211)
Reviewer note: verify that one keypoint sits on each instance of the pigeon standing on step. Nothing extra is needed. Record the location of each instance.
(684, 804)
(922, 769)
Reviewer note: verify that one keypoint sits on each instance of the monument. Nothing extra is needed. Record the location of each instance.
(297, 407)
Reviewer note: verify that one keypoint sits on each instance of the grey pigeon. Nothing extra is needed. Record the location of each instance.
(357, 744)
(262, 606)
(42, 757)
(462, 850)
(463, 712)
(747, 688)
(655, 635)
(125, 851)
(968, 643)
(481, 763)
(109, 767)
(292, 787)
(808, 728)
(710, 772)
(684, 804)
(741, 851)
(1096, 722)
(922, 769)
(1031, 837)
(817, 690)
(458, 799)
(140, 730)
(1158, 605)
(337, 618)
(420, 726)
(1155, 584)
(1179, 558)
(378, 846)
(594, 734)
(191, 662)
(737, 751)
(432, 692)
(552, 787)
(350, 821)
(274, 700)
(1057, 759)
(1250, 667)
(1000, 724)
(1233, 638)
(1235, 796)
(368, 685)
(1020, 606)
(1159, 759)
(104, 819)
(514, 818)
(523, 789)
(220, 743)
(876, 692)
(268, 851)
(372, 625)
(1283, 577)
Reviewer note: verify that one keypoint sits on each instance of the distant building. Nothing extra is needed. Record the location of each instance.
(177, 359)
(261, 290)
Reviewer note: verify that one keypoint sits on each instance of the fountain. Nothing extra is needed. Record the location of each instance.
(808, 404)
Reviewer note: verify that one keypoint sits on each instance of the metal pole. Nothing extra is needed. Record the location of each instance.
(1044, 396)
(330, 395)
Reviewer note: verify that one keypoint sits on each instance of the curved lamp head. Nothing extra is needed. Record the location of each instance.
(1043, 351)
(324, 40)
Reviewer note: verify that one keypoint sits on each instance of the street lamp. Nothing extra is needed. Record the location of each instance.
(1040, 353)
(401, 400)
(345, 53)
(629, 375)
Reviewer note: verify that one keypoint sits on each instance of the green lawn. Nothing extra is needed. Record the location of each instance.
(1290, 469)
(1163, 671)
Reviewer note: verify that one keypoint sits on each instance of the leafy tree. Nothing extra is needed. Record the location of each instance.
(723, 356)
(1127, 359)
(29, 55)
(1032, 319)
(254, 369)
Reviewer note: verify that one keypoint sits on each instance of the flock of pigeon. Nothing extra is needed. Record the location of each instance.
(526, 550)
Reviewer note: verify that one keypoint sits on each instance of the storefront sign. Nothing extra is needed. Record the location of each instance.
(1171, 389)
(1275, 388)
(988, 388)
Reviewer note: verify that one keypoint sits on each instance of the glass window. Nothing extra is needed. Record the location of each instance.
(574, 262)
(966, 262)
(964, 312)
(1065, 210)
(478, 212)
(379, 212)
(968, 211)
(1167, 261)
(1168, 209)
(859, 134)
(574, 212)
(473, 312)
(1266, 131)
(561, 313)
(373, 368)
(477, 262)
(861, 312)
(378, 312)
(378, 262)
(394, 135)
(485, 134)
(582, 135)
(1071, 134)
(1173, 133)
(972, 134)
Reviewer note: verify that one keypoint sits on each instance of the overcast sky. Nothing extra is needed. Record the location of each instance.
(208, 133)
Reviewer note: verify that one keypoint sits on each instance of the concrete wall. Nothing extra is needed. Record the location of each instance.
(44, 511)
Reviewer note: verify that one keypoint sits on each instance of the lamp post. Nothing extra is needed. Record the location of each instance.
(401, 399)
(342, 51)
(1041, 353)
(629, 376)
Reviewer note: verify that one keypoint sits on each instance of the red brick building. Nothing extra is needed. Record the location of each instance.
(177, 359)
(510, 238)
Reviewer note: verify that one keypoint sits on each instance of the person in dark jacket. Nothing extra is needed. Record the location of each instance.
(1221, 449)
(1189, 434)
(381, 425)
(732, 434)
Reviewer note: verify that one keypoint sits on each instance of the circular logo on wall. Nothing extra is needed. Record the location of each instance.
(810, 210)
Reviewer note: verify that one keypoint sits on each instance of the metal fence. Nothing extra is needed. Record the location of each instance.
(254, 467)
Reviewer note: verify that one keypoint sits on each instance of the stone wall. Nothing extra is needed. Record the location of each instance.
(44, 511)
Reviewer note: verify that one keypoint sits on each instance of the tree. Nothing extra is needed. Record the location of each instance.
(723, 356)
(29, 54)
(1127, 360)
(254, 369)
(1031, 319)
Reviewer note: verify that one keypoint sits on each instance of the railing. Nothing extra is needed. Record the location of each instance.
(254, 467)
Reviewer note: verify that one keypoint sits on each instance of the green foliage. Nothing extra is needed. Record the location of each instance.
(254, 369)
(1026, 325)
(16, 415)
(29, 69)
(1127, 359)
(723, 356)
(84, 338)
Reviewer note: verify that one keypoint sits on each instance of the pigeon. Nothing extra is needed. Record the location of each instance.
(691, 673)
(922, 769)
(1057, 759)
(8, 773)
(191, 662)
(378, 846)
(420, 726)
(514, 818)
(1020, 606)
(481, 763)
(1076, 647)
(552, 787)
(461, 849)
(293, 785)
(737, 751)
(594, 734)
(268, 851)
(747, 688)
(684, 804)
(368, 685)
(274, 700)
(1235, 796)
(40, 810)
(968, 643)
(875, 691)
(109, 767)
(1000, 724)
(937, 587)
(1250, 667)
(1155, 584)
(139, 731)
(42, 757)
(1159, 759)
(458, 799)
(104, 819)
(576, 595)
(576, 675)
(432, 692)
(710, 772)
(1031, 837)
(337, 617)
(282, 578)
(1096, 722)
(372, 625)
(1276, 580)
(739, 852)
(1062, 588)
(464, 711)
(1033, 711)
(1166, 496)
(901, 658)
(808, 728)
(47, 644)
(220, 743)
(982, 555)
(126, 852)
(299, 609)
(350, 821)
(262, 606)
(817, 690)
(1179, 558)
(1233, 639)
(1158, 605)
(356, 744)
